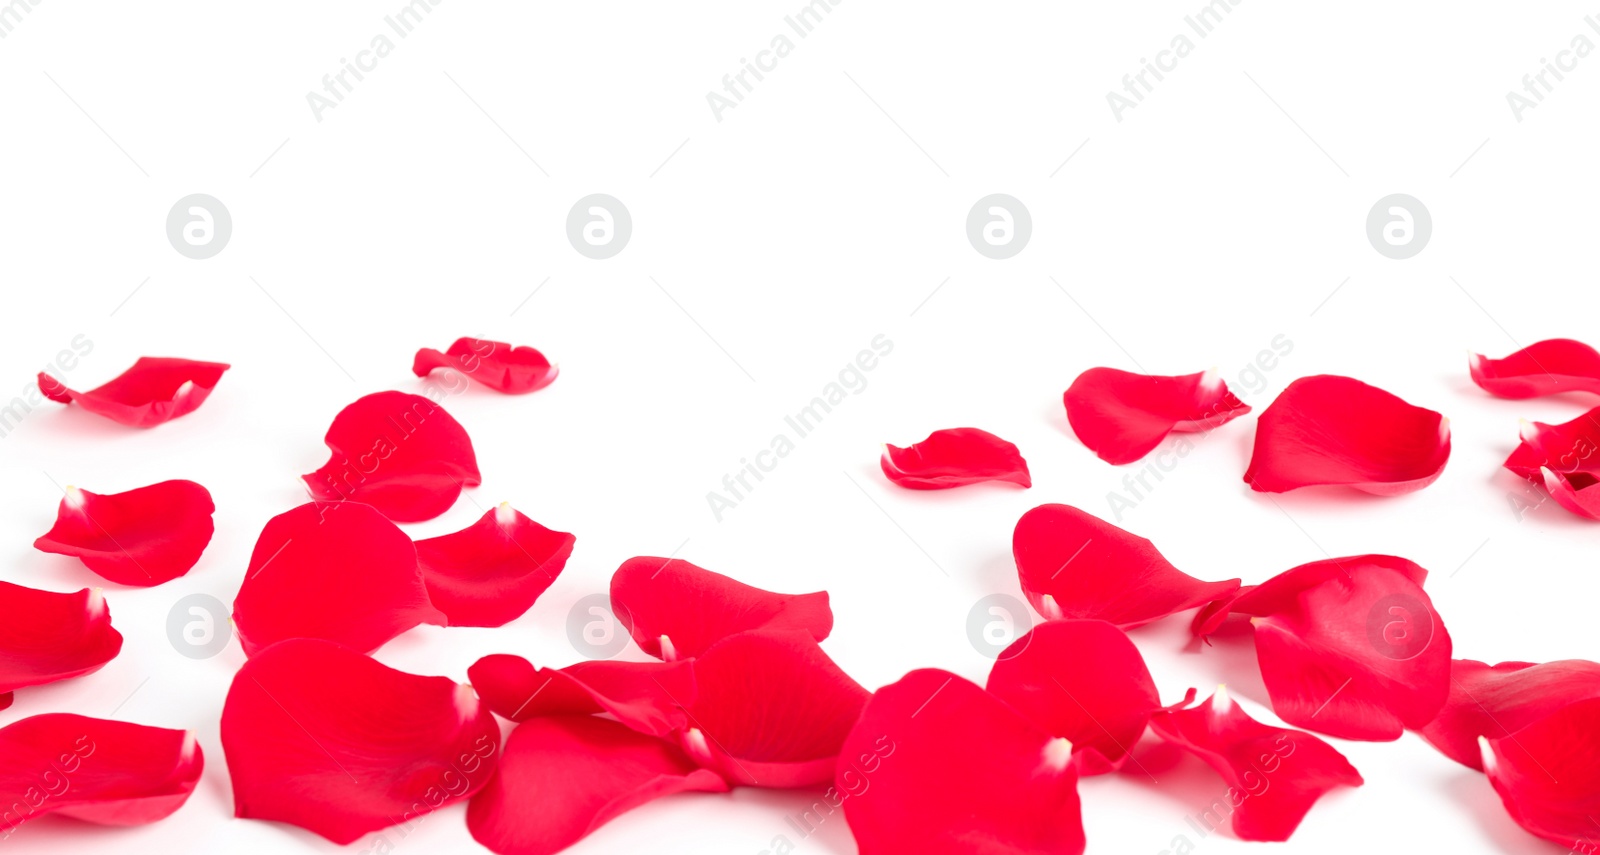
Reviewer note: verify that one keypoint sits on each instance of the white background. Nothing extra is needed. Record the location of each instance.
(1221, 212)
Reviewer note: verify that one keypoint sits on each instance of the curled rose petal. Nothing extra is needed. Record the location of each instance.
(1122, 416)
(95, 770)
(334, 570)
(955, 457)
(141, 537)
(154, 390)
(328, 739)
(45, 637)
(1562, 458)
(1548, 775)
(771, 710)
(938, 766)
(1495, 701)
(496, 364)
(1351, 647)
(1074, 565)
(400, 453)
(491, 572)
(1083, 681)
(674, 609)
(564, 776)
(1274, 774)
(645, 696)
(1543, 368)
(1335, 431)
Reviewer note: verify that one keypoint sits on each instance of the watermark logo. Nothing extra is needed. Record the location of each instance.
(599, 226)
(198, 626)
(1399, 226)
(995, 622)
(1400, 627)
(198, 226)
(998, 226)
(593, 629)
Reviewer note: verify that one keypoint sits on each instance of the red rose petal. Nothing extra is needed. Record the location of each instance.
(141, 537)
(562, 777)
(45, 637)
(1122, 416)
(695, 608)
(1548, 775)
(1074, 565)
(1335, 431)
(1495, 701)
(938, 766)
(645, 696)
(496, 364)
(154, 390)
(771, 710)
(333, 570)
(1562, 458)
(95, 770)
(328, 739)
(1081, 680)
(1542, 368)
(1274, 774)
(955, 457)
(1351, 647)
(491, 572)
(402, 454)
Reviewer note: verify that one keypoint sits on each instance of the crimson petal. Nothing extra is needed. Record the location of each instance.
(1495, 701)
(95, 770)
(1081, 680)
(1274, 774)
(955, 457)
(938, 766)
(1543, 368)
(771, 710)
(1336, 431)
(1122, 416)
(326, 738)
(401, 453)
(562, 777)
(155, 390)
(1074, 565)
(45, 637)
(496, 364)
(645, 696)
(694, 608)
(491, 572)
(1562, 458)
(1351, 647)
(1548, 775)
(338, 571)
(141, 537)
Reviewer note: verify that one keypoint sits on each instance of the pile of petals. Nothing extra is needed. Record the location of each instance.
(141, 537)
(496, 364)
(955, 457)
(154, 390)
(746, 699)
(1548, 367)
(1562, 459)
(1122, 416)
(1335, 431)
(400, 453)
